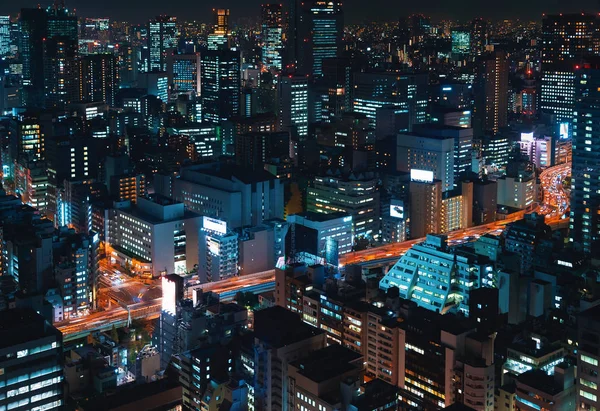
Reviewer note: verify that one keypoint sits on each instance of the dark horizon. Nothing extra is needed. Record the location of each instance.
(138, 11)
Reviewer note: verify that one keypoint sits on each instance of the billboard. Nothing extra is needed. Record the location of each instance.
(169, 295)
(396, 211)
(424, 176)
(563, 130)
(212, 224)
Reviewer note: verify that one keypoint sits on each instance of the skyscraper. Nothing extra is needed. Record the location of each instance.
(479, 36)
(185, 72)
(319, 35)
(219, 38)
(271, 35)
(584, 221)
(98, 78)
(162, 35)
(292, 93)
(566, 39)
(491, 92)
(33, 24)
(220, 75)
(4, 35)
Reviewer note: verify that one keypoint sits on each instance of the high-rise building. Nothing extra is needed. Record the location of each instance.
(292, 93)
(220, 84)
(156, 235)
(584, 220)
(491, 92)
(219, 38)
(31, 355)
(218, 258)
(185, 72)
(162, 36)
(524, 236)
(479, 36)
(566, 40)
(320, 31)
(431, 152)
(407, 91)
(461, 43)
(588, 359)
(355, 195)
(272, 35)
(5, 36)
(433, 281)
(239, 196)
(98, 78)
(33, 23)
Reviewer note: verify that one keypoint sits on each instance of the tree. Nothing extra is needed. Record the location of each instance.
(114, 334)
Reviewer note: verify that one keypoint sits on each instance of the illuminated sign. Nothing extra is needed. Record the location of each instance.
(396, 211)
(169, 297)
(180, 267)
(527, 137)
(424, 176)
(214, 247)
(212, 224)
(563, 130)
(347, 219)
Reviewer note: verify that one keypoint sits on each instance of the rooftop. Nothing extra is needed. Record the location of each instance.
(19, 326)
(327, 363)
(279, 327)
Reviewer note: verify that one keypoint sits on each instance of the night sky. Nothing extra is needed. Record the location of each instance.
(356, 10)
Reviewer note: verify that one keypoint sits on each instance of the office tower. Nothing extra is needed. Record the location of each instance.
(155, 235)
(98, 78)
(218, 258)
(162, 36)
(280, 337)
(588, 359)
(463, 146)
(355, 195)
(455, 95)
(5, 36)
(31, 136)
(450, 116)
(185, 72)
(479, 36)
(31, 182)
(446, 362)
(566, 40)
(485, 199)
(440, 266)
(239, 196)
(156, 83)
(272, 35)
(127, 63)
(524, 236)
(557, 92)
(68, 158)
(569, 36)
(491, 93)
(433, 152)
(292, 94)
(76, 270)
(220, 79)
(60, 53)
(320, 388)
(517, 189)
(461, 43)
(320, 31)
(219, 38)
(584, 221)
(31, 356)
(407, 91)
(33, 23)
(554, 392)
(496, 150)
(425, 204)
(317, 235)
(172, 293)
(253, 150)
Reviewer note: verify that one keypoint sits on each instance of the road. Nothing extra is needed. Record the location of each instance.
(556, 202)
(151, 309)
